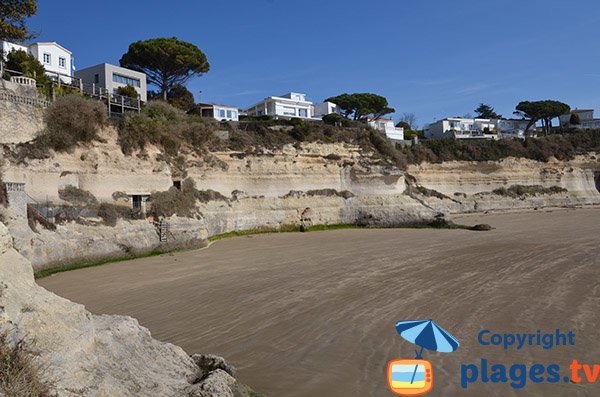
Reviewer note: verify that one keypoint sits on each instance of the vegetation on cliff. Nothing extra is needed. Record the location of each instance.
(74, 120)
(19, 376)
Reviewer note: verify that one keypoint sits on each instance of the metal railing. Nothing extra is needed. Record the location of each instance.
(115, 103)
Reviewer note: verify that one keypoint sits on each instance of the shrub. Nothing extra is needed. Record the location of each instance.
(72, 120)
(19, 376)
(111, 213)
(77, 196)
(162, 125)
(527, 190)
(29, 66)
(181, 202)
(128, 91)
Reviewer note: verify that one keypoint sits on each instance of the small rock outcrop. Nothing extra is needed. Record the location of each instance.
(82, 354)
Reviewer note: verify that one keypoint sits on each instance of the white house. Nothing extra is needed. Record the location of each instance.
(387, 127)
(325, 108)
(461, 128)
(289, 105)
(586, 119)
(513, 128)
(219, 112)
(111, 77)
(57, 60)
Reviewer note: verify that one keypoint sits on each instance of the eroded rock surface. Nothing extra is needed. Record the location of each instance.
(98, 355)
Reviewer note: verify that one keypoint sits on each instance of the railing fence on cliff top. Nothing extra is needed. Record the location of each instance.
(24, 100)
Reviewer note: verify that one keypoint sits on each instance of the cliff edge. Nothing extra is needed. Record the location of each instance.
(80, 354)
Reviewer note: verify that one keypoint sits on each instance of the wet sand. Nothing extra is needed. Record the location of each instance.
(313, 314)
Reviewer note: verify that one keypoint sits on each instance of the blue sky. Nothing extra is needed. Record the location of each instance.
(434, 58)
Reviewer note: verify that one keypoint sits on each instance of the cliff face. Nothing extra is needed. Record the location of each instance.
(470, 186)
(81, 354)
(321, 183)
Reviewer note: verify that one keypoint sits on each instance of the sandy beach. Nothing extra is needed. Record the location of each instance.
(313, 314)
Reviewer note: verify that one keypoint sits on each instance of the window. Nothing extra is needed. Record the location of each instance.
(221, 112)
(229, 114)
(117, 78)
(287, 111)
(234, 114)
(302, 112)
(62, 63)
(96, 78)
(47, 59)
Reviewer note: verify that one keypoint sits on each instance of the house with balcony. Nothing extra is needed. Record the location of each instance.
(219, 112)
(462, 128)
(111, 77)
(56, 59)
(291, 105)
(387, 127)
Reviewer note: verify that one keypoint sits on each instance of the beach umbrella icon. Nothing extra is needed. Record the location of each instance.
(427, 335)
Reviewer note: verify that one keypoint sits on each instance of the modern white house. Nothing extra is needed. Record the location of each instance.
(291, 105)
(219, 112)
(462, 128)
(325, 108)
(57, 60)
(466, 128)
(586, 119)
(387, 127)
(513, 128)
(111, 77)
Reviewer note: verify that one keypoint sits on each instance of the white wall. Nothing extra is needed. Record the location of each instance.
(7, 47)
(56, 52)
(325, 108)
(230, 114)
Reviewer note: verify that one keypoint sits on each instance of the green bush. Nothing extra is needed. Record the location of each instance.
(77, 196)
(128, 91)
(71, 120)
(29, 66)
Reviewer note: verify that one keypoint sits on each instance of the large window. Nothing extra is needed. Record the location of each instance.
(287, 111)
(117, 78)
(222, 113)
(302, 112)
(47, 58)
(229, 114)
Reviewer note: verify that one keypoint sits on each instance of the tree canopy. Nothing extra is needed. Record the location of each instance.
(359, 106)
(543, 111)
(12, 19)
(167, 62)
(181, 98)
(485, 111)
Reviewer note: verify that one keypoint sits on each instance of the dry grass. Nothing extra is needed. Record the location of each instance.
(181, 202)
(19, 375)
(167, 127)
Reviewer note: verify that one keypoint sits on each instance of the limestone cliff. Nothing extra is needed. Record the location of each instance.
(81, 354)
